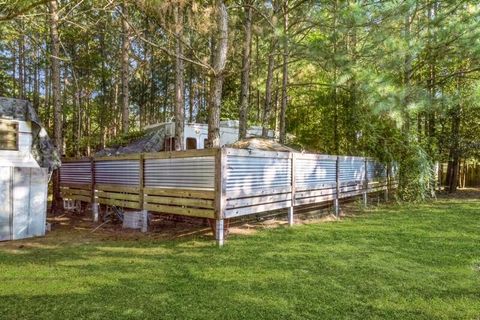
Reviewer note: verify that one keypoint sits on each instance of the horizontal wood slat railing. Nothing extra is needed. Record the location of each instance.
(221, 183)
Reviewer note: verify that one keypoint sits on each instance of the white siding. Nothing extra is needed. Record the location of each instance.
(22, 157)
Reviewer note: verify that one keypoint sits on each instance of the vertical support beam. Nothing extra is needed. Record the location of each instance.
(219, 232)
(141, 183)
(95, 211)
(92, 184)
(365, 185)
(292, 205)
(290, 216)
(337, 188)
(144, 220)
(387, 183)
(141, 180)
(220, 194)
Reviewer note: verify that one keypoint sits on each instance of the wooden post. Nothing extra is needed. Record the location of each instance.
(337, 188)
(386, 182)
(92, 184)
(219, 232)
(144, 220)
(141, 184)
(95, 211)
(141, 179)
(220, 195)
(365, 185)
(292, 205)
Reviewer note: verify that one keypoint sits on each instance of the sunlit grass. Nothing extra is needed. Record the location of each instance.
(393, 262)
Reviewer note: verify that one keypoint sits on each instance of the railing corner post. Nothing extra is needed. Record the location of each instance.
(220, 195)
(337, 188)
(292, 184)
(95, 207)
(220, 232)
(365, 185)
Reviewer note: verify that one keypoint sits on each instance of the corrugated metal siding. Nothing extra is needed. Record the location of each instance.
(250, 173)
(124, 172)
(313, 173)
(351, 169)
(76, 172)
(196, 172)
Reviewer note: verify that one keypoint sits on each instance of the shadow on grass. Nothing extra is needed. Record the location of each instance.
(394, 263)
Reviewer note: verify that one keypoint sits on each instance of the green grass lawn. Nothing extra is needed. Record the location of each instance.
(393, 262)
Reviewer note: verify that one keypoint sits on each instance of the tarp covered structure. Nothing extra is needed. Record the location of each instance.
(151, 141)
(43, 149)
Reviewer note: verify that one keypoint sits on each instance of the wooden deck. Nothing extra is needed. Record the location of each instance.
(221, 183)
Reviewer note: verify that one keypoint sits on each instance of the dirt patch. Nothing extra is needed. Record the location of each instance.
(79, 228)
(464, 194)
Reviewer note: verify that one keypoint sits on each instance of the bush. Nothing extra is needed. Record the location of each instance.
(415, 173)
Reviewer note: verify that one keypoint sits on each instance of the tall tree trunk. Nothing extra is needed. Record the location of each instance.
(407, 74)
(57, 204)
(431, 88)
(191, 95)
(245, 81)
(275, 113)
(267, 108)
(257, 76)
(336, 138)
(179, 80)
(21, 65)
(165, 94)
(454, 161)
(78, 123)
(36, 82)
(154, 113)
(283, 111)
(125, 68)
(14, 69)
(219, 61)
(103, 82)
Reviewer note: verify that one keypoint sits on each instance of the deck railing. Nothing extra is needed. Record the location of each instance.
(221, 183)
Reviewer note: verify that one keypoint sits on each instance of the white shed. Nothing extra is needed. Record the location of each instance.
(196, 134)
(23, 183)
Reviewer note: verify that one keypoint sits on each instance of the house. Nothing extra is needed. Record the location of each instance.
(160, 137)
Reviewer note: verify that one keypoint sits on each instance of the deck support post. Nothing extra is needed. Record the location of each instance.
(365, 185)
(385, 195)
(95, 211)
(292, 185)
(336, 207)
(337, 188)
(219, 232)
(92, 189)
(290, 216)
(220, 195)
(144, 221)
